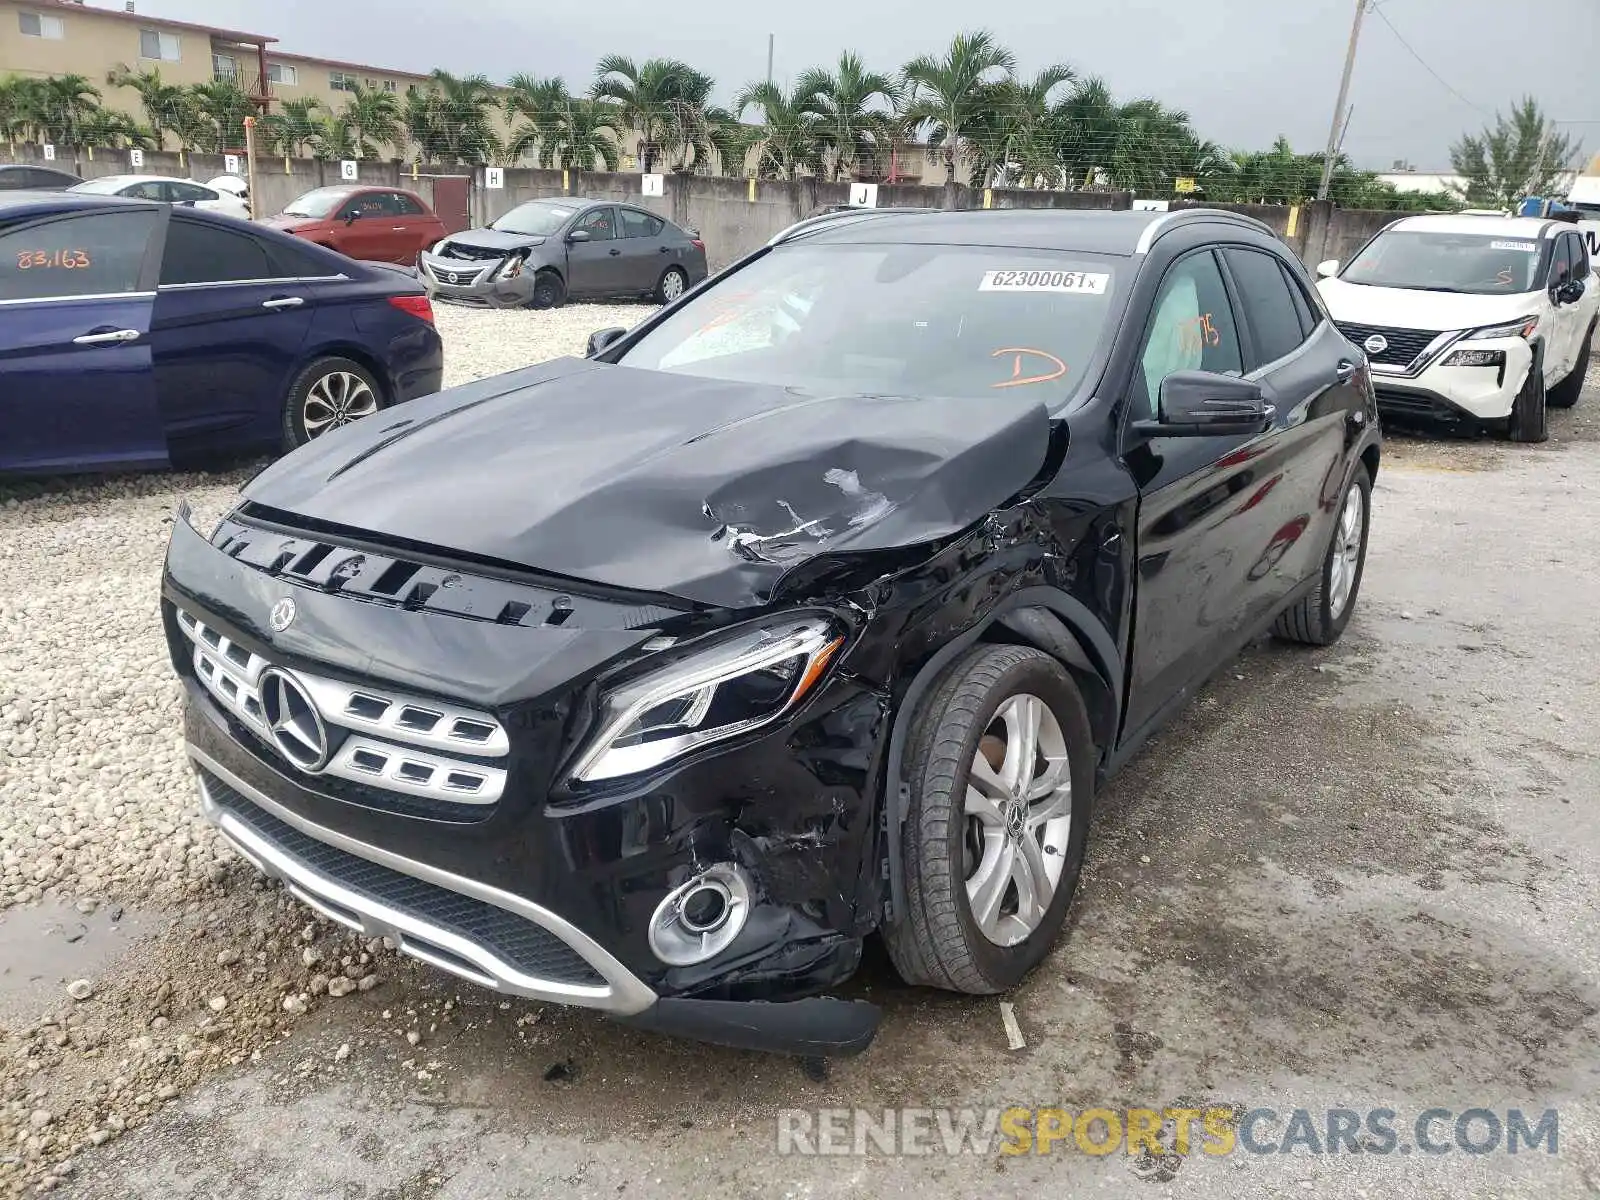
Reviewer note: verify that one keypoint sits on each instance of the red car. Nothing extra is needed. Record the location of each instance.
(380, 224)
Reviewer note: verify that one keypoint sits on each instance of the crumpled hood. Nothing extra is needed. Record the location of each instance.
(1407, 308)
(493, 239)
(697, 488)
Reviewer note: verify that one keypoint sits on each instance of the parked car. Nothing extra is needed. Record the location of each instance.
(820, 603)
(135, 334)
(542, 252)
(15, 176)
(1479, 322)
(184, 192)
(233, 185)
(379, 224)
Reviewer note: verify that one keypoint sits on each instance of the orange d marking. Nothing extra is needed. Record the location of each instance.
(1017, 377)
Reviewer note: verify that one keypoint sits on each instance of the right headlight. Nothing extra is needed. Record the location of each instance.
(1522, 327)
(729, 688)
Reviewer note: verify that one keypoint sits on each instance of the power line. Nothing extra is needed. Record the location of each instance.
(1379, 13)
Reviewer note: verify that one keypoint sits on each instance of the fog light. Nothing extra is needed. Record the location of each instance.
(699, 919)
(1476, 358)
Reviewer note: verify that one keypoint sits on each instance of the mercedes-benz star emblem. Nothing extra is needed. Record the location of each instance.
(282, 615)
(1376, 344)
(293, 721)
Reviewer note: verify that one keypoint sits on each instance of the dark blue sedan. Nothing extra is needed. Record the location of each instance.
(136, 335)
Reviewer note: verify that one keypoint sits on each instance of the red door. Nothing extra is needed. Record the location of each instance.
(450, 202)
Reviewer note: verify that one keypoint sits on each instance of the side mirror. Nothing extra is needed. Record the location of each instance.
(350, 217)
(1204, 404)
(1327, 268)
(601, 338)
(578, 235)
(1570, 292)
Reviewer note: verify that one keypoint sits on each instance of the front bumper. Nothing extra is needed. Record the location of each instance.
(517, 891)
(475, 282)
(1457, 394)
(448, 920)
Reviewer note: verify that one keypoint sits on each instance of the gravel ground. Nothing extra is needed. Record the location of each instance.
(97, 815)
(101, 849)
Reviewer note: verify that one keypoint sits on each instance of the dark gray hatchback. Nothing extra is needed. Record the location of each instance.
(544, 251)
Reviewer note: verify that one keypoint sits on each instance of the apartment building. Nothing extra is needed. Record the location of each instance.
(60, 37)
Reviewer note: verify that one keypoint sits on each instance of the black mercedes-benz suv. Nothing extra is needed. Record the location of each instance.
(818, 605)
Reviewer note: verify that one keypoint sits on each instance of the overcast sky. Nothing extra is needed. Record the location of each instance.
(1245, 70)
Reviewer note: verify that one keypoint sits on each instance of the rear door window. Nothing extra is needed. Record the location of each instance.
(190, 193)
(1269, 308)
(1560, 263)
(636, 224)
(197, 252)
(90, 255)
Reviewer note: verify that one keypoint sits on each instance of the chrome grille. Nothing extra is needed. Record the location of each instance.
(1405, 345)
(420, 747)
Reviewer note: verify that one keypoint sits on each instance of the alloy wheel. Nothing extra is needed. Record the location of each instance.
(1346, 552)
(336, 399)
(1018, 811)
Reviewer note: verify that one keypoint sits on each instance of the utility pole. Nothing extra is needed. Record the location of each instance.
(1334, 137)
(770, 39)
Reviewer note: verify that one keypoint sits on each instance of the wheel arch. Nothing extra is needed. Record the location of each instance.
(1042, 617)
(356, 353)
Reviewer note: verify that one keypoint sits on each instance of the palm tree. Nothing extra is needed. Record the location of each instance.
(543, 103)
(949, 96)
(224, 105)
(332, 139)
(162, 101)
(17, 107)
(655, 99)
(116, 131)
(60, 106)
(1017, 130)
(584, 134)
(373, 119)
(847, 125)
(289, 131)
(450, 119)
(788, 135)
(1085, 130)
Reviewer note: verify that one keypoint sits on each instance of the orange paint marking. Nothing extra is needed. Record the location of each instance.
(1017, 378)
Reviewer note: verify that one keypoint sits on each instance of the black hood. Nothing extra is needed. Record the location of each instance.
(697, 488)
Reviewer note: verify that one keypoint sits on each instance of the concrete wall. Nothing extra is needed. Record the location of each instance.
(734, 216)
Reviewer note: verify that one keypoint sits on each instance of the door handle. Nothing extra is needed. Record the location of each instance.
(108, 338)
(397, 229)
(1345, 370)
(283, 302)
(665, 249)
(615, 252)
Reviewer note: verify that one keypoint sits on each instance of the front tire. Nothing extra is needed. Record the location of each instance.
(1565, 394)
(329, 393)
(1527, 422)
(1319, 619)
(548, 291)
(1001, 765)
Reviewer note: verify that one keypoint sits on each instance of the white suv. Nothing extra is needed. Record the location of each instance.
(1477, 321)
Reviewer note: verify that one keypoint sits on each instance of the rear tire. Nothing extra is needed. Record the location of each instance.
(329, 393)
(548, 291)
(1319, 618)
(674, 282)
(1565, 394)
(1527, 422)
(956, 836)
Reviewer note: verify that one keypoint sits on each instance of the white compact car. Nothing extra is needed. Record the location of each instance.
(1477, 321)
(168, 191)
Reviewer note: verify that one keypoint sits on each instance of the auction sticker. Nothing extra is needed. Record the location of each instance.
(1088, 282)
(1525, 247)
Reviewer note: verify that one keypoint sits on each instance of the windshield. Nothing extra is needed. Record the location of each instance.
(963, 321)
(1484, 264)
(535, 218)
(105, 186)
(316, 203)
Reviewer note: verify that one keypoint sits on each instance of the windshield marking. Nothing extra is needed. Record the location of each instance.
(1525, 247)
(1017, 378)
(1092, 283)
